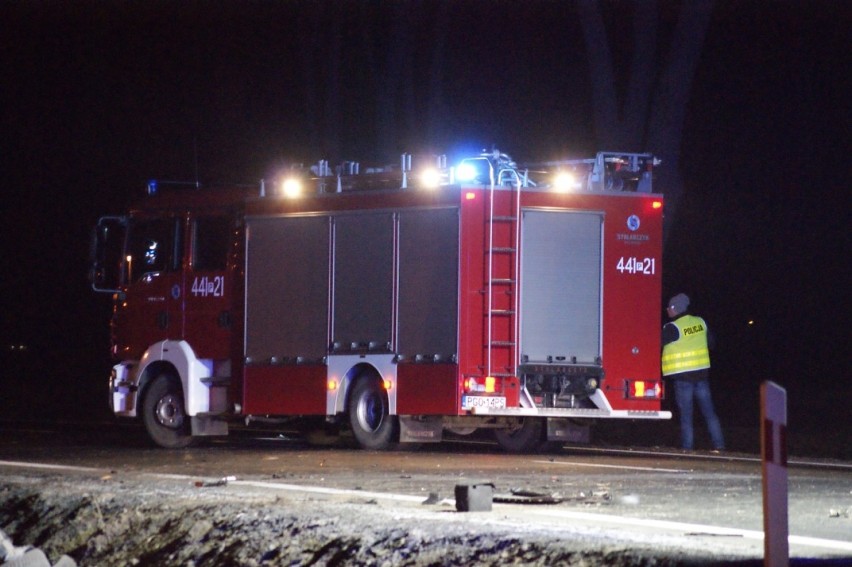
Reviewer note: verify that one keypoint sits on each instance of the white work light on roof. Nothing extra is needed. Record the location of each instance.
(564, 182)
(291, 187)
(430, 177)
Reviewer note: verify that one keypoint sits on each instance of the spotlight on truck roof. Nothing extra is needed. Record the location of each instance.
(430, 178)
(291, 187)
(564, 182)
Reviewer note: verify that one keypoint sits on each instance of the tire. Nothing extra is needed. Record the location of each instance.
(528, 437)
(374, 428)
(163, 414)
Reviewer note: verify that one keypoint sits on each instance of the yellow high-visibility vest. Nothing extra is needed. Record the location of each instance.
(690, 351)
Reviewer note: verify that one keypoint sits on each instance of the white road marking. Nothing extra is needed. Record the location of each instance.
(707, 456)
(622, 467)
(332, 491)
(49, 467)
(687, 528)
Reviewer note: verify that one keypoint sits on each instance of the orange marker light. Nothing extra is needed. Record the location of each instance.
(332, 385)
(657, 205)
(388, 384)
(490, 383)
(470, 195)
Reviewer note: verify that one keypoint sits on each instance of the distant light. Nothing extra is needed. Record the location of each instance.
(466, 172)
(751, 322)
(291, 187)
(564, 182)
(430, 178)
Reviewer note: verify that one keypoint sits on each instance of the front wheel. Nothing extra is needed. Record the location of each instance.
(164, 416)
(369, 414)
(528, 436)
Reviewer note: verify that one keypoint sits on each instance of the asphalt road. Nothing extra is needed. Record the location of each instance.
(696, 499)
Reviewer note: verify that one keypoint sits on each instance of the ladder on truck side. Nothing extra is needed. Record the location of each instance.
(503, 224)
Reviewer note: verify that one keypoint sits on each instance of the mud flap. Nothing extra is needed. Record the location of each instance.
(428, 429)
(567, 431)
(203, 426)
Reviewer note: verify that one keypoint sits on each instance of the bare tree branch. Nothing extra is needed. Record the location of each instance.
(641, 70)
(655, 104)
(601, 66)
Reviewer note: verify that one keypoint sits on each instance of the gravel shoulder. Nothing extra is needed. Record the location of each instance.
(105, 522)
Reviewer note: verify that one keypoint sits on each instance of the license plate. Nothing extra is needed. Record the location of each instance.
(491, 402)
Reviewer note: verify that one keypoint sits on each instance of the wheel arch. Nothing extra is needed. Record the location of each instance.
(348, 370)
(178, 359)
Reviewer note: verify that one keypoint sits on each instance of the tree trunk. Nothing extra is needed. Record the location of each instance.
(657, 92)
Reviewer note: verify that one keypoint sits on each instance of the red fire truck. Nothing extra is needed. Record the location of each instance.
(400, 302)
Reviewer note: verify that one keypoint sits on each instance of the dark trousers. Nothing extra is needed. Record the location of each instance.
(685, 393)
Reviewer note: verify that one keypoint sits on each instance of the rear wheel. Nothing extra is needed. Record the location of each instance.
(527, 436)
(163, 414)
(369, 414)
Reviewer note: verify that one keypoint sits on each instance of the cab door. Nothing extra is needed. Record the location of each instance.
(147, 307)
(208, 317)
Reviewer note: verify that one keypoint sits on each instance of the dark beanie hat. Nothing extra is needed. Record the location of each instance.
(679, 303)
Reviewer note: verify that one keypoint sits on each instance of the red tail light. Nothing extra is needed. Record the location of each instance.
(483, 385)
(644, 389)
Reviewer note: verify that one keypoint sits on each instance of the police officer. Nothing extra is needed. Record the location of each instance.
(686, 360)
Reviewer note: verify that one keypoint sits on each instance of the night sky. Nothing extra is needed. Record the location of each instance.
(98, 97)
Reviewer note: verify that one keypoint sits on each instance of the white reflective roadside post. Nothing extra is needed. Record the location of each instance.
(773, 451)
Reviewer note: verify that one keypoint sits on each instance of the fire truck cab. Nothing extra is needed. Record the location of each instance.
(400, 302)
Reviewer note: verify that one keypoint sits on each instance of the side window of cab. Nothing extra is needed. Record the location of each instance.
(211, 238)
(153, 248)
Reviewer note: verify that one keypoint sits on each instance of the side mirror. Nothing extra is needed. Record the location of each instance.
(106, 254)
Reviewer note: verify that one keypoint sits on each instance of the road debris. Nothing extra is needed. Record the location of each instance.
(220, 482)
(433, 498)
(630, 499)
(474, 497)
(520, 496)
